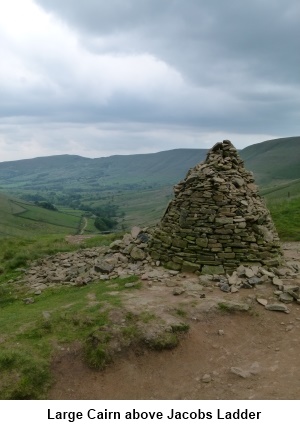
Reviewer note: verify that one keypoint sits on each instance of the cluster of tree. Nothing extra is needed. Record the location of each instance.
(105, 224)
(46, 205)
(105, 214)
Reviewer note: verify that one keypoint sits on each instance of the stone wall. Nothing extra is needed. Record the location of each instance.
(217, 219)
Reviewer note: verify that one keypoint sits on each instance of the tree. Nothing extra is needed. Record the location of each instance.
(104, 224)
(46, 205)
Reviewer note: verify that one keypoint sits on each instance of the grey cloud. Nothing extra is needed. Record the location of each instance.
(236, 65)
(199, 37)
(247, 51)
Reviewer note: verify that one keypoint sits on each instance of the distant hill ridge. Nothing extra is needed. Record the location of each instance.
(272, 162)
(138, 187)
(162, 167)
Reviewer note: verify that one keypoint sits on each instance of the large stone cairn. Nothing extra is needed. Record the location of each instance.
(217, 219)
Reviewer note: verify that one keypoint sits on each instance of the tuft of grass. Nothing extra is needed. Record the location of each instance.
(164, 340)
(180, 328)
(102, 240)
(146, 317)
(22, 375)
(96, 352)
(181, 312)
(224, 307)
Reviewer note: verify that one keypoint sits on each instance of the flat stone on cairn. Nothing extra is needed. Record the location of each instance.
(217, 219)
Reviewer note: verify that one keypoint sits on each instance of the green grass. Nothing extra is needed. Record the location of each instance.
(18, 252)
(283, 202)
(275, 161)
(286, 216)
(140, 185)
(60, 219)
(102, 239)
(144, 207)
(20, 219)
(31, 334)
(22, 377)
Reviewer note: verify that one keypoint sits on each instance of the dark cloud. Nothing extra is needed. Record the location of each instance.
(204, 40)
(247, 51)
(193, 67)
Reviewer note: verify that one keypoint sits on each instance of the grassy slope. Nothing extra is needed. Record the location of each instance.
(275, 161)
(78, 173)
(28, 336)
(143, 207)
(18, 218)
(276, 167)
(141, 185)
(32, 334)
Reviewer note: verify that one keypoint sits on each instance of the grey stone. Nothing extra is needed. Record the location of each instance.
(246, 285)
(254, 280)
(266, 272)
(239, 182)
(225, 288)
(249, 272)
(103, 267)
(212, 270)
(291, 289)
(233, 279)
(178, 291)
(130, 285)
(234, 306)
(286, 298)
(254, 369)
(206, 378)
(240, 372)
(174, 272)
(171, 283)
(137, 254)
(262, 301)
(135, 231)
(188, 266)
(278, 282)
(28, 300)
(173, 266)
(277, 307)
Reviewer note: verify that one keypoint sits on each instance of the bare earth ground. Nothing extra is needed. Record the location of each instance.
(265, 345)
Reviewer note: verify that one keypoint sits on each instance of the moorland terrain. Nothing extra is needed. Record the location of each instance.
(50, 205)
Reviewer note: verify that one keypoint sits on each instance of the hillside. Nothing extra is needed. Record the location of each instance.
(274, 161)
(18, 218)
(138, 187)
(83, 174)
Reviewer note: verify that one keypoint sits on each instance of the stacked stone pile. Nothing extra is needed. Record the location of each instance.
(122, 258)
(216, 218)
(129, 256)
(284, 280)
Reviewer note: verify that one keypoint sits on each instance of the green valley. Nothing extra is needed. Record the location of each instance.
(130, 189)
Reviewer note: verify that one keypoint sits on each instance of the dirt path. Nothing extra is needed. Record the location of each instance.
(254, 356)
(84, 225)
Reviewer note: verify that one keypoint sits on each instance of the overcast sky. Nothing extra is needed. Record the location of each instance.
(102, 77)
